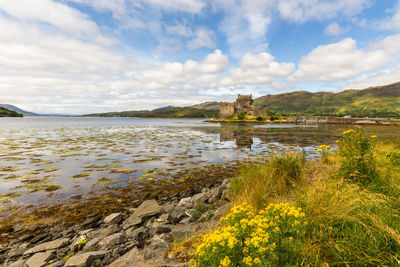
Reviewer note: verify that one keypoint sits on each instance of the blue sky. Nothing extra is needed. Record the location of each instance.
(84, 56)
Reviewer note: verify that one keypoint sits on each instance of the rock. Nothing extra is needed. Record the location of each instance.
(85, 259)
(221, 211)
(78, 243)
(19, 263)
(177, 213)
(57, 264)
(113, 218)
(102, 233)
(226, 194)
(200, 198)
(55, 244)
(186, 220)
(136, 234)
(92, 242)
(146, 209)
(39, 238)
(111, 240)
(156, 248)
(167, 208)
(224, 184)
(164, 217)
(163, 228)
(40, 259)
(132, 258)
(186, 202)
(214, 195)
(206, 216)
(18, 251)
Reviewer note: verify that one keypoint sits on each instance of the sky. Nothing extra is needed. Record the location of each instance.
(87, 56)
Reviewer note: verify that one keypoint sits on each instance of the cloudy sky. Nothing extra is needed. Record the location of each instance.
(84, 56)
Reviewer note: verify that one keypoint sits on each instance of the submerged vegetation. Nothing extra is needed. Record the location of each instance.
(340, 211)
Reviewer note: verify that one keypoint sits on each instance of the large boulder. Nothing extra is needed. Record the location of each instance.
(85, 259)
(146, 209)
(55, 244)
(40, 259)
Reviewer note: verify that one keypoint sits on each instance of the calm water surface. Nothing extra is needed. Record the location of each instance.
(45, 158)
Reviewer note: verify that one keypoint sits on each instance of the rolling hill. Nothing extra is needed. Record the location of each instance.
(380, 101)
(9, 113)
(14, 108)
(175, 112)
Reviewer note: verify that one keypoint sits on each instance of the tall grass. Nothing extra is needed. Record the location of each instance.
(352, 202)
(276, 177)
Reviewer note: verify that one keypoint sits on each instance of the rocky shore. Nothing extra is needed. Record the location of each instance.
(138, 236)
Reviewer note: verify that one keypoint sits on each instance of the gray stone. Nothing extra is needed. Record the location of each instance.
(19, 263)
(164, 217)
(146, 209)
(186, 220)
(55, 244)
(78, 243)
(136, 234)
(200, 198)
(113, 218)
(163, 228)
(57, 264)
(226, 194)
(18, 251)
(111, 240)
(92, 242)
(177, 213)
(206, 216)
(220, 212)
(102, 233)
(85, 259)
(40, 259)
(156, 248)
(132, 258)
(225, 182)
(167, 208)
(186, 202)
(214, 194)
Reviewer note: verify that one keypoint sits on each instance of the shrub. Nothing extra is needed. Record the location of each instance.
(323, 150)
(259, 118)
(358, 162)
(272, 237)
(241, 116)
(277, 176)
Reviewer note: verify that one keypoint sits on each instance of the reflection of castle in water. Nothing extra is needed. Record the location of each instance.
(243, 138)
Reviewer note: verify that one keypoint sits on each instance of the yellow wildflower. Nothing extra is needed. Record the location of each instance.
(225, 262)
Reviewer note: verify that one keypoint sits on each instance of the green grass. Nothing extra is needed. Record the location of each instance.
(349, 223)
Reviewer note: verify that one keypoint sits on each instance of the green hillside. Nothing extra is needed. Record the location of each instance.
(9, 113)
(381, 101)
(187, 112)
(207, 106)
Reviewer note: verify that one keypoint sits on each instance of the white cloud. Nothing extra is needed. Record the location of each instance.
(390, 23)
(334, 29)
(202, 38)
(257, 69)
(179, 29)
(339, 61)
(190, 6)
(56, 14)
(303, 10)
(245, 24)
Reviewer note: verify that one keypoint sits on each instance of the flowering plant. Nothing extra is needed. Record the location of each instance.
(271, 237)
(323, 150)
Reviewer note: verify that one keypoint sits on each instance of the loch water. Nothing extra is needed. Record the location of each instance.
(47, 158)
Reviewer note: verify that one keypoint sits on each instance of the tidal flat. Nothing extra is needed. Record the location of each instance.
(66, 169)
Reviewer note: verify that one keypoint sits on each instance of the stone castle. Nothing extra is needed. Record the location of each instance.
(243, 103)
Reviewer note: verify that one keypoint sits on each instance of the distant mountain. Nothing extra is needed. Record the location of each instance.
(14, 108)
(164, 108)
(207, 106)
(380, 101)
(176, 112)
(9, 113)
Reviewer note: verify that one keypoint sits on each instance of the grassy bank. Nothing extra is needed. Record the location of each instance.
(340, 210)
